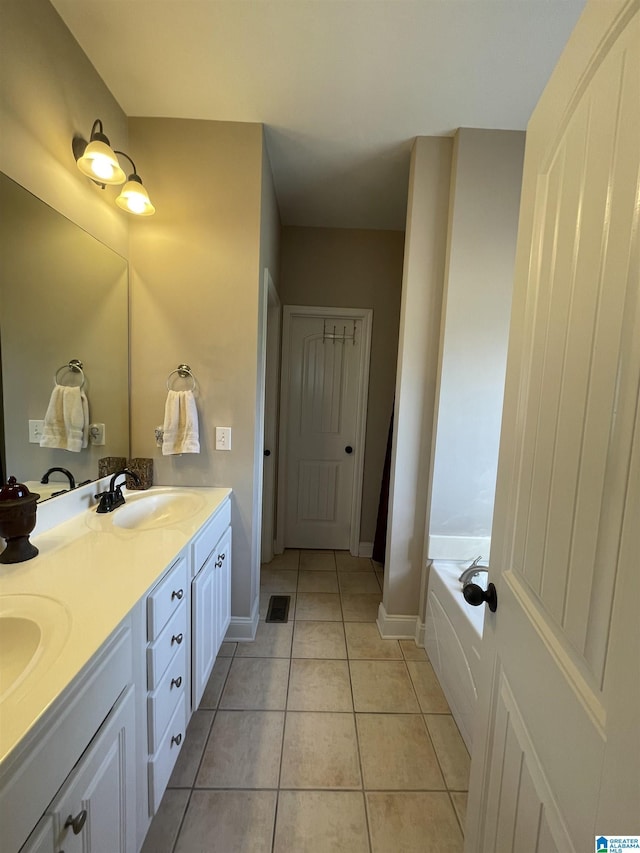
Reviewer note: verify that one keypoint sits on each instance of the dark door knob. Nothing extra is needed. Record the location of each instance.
(475, 595)
(267, 453)
(348, 449)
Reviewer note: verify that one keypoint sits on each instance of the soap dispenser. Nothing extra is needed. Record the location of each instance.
(17, 520)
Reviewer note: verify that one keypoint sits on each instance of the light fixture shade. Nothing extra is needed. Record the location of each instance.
(100, 164)
(134, 198)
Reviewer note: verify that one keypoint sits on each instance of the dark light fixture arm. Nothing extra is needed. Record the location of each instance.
(134, 176)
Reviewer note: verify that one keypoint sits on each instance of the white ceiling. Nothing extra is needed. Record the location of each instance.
(342, 86)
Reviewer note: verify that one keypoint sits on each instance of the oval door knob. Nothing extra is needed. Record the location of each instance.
(267, 453)
(348, 449)
(76, 823)
(475, 595)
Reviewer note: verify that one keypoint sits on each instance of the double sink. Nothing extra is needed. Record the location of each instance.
(34, 628)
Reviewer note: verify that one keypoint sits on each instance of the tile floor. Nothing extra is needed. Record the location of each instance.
(319, 737)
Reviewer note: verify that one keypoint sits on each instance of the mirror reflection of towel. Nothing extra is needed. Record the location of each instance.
(66, 422)
(180, 424)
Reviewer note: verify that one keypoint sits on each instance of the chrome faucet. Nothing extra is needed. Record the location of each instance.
(113, 497)
(472, 571)
(68, 474)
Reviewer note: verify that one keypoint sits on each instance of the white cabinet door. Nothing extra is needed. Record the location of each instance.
(95, 809)
(222, 554)
(203, 629)
(42, 839)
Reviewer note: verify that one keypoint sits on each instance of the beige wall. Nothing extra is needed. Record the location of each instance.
(485, 200)
(354, 269)
(195, 281)
(423, 276)
(49, 92)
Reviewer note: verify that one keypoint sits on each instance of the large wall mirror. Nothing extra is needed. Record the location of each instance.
(63, 296)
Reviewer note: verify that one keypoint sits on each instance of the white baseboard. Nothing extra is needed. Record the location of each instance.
(396, 627)
(365, 549)
(242, 629)
(459, 547)
(420, 633)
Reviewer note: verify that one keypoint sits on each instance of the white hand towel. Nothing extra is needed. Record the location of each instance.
(180, 424)
(66, 422)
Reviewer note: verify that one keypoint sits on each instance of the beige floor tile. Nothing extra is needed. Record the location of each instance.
(320, 606)
(278, 580)
(427, 687)
(166, 823)
(273, 640)
(227, 650)
(413, 823)
(317, 561)
(320, 751)
(256, 684)
(289, 559)
(319, 640)
(243, 750)
(396, 753)
(321, 822)
(228, 822)
(450, 749)
(264, 604)
(411, 651)
(359, 583)
(319, 685)
(364, 641)
(213, 690)
(318, 582)
(382, 687)
(346, 562)
(360, 608)
(186, 767)
(459, 799)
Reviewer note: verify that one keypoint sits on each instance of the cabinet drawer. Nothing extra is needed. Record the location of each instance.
(165, 599)
(162, 701)
(163, 650)
(206, 540)
(161, 765)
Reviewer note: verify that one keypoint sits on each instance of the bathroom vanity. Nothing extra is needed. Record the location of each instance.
(108, 639)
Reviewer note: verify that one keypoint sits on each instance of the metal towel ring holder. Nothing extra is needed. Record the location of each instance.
(75, 366)
(183, 371)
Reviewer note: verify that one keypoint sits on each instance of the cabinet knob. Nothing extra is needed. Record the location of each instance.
(177, 638)
(176, 682)
(177, 593)
(76, 823)
(177, 739)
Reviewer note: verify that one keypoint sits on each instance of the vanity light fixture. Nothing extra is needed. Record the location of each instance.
(133, 196)
(98, 161)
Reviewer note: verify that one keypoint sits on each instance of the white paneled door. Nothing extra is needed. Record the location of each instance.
(557, 750)
(325, 372)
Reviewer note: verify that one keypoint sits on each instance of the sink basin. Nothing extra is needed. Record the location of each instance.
(150, 510)
(33, 631)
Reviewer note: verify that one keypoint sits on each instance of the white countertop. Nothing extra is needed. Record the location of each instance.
(98, 573)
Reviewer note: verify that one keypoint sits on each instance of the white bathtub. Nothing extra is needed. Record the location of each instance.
(453, 632)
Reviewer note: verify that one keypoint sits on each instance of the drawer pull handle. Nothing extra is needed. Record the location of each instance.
(76, 823)
(177, 593)
(177, 638)
(176, 682)
(177, 739)
(220, 560)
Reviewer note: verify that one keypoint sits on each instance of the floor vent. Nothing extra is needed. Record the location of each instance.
(278, 608)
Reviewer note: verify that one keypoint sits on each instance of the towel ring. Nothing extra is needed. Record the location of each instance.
(183, 370)
(75, 366)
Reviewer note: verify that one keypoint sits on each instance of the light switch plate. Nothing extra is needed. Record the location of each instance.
(223, 438)
(35, 431)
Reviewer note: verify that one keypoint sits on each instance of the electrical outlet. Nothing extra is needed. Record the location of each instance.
(35, 431)
(96, 434)
(223, 438)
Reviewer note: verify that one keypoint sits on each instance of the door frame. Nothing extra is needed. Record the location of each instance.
(366, 316)
(271, 343)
